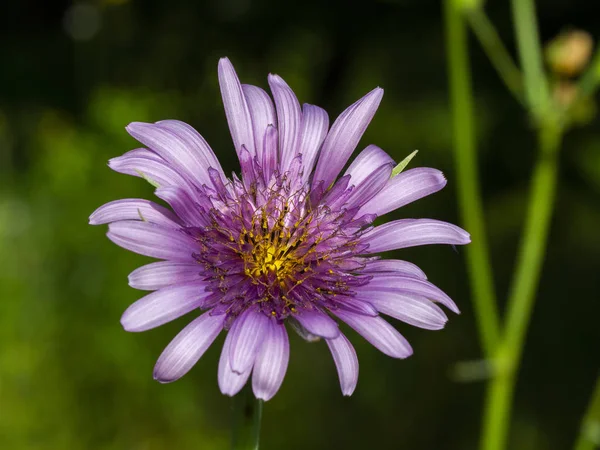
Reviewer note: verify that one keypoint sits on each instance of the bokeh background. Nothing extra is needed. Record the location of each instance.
(74, 74)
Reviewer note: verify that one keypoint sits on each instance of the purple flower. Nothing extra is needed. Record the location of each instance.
(289, 241)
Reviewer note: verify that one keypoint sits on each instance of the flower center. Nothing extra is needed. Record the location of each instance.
(271, 253)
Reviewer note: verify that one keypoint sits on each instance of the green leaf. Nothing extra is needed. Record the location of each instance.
(400, 167)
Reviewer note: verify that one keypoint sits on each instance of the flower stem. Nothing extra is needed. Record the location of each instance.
(247, 415)
(589, 434)
(478, 260)
(525, 282)
(588, 83)
(536, 87)
(494, 48)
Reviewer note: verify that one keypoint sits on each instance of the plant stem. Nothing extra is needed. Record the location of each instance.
(589, 434)
(530, 54)
(525, 282)
(494, 48)
(471, 208)
(247, 415)
(588, 83)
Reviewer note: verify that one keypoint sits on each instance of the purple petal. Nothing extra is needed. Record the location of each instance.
(315, 123)
(236, 107)
(369, 186)
(152, 240)
(195, 141)
(135, 209)
(301, 331)
(318, 323)
(230, 382)
(271, 362)
(357, 306)
(262, 112)
(412, 309)
(396, 283)
(379, 333)
(346, 362)
(405, 233)
(182, 204)
(187, 348)
(404, 268)
(289, 120)
(175, 148)
(163, 306)
(161, 274)
(367, 161)
(270, 158)
(146, 164)
(247, 166)
(403, 189)
(247, 334)
(344, 136)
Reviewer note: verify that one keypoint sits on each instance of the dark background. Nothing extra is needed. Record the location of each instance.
(74, 74)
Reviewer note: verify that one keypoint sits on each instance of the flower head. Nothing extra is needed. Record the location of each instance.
(290, 241)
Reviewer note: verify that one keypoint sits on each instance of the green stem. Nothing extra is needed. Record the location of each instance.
(591, 77)
(525, 282)
(247, 415)
(500, 58)
(471, 208)
(587, 85)
(589, 435)
(530, 54)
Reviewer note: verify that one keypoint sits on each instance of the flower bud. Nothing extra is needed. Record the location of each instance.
(569, 53)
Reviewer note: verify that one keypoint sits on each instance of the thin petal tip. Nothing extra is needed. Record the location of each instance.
(276, 79)
(132, 126)
(377, 93)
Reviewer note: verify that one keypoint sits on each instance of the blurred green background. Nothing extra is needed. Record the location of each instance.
(74, 74)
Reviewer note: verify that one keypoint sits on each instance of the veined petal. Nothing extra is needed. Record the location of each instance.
(405, 233)
(404, 268)
(346, 362)
(413, 309)
(247, 166)
(369, 186)
(146, 164)
(358, 306)
(182, 204)
(152, 240)
(175, 148)
(289, 120)
(236, 107)
(379, 333)
(403, 189)
(163, 306)
(195, 141)
(161, 274)
(188, 347)
(134, 209)
(262, 112)
(230, 382)
(271, 362)
(343, 137)
(318, 323)
(247, 334)
(270, 157)
(301, 331)
(315, 123)
(397, 283)
(367, 161)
